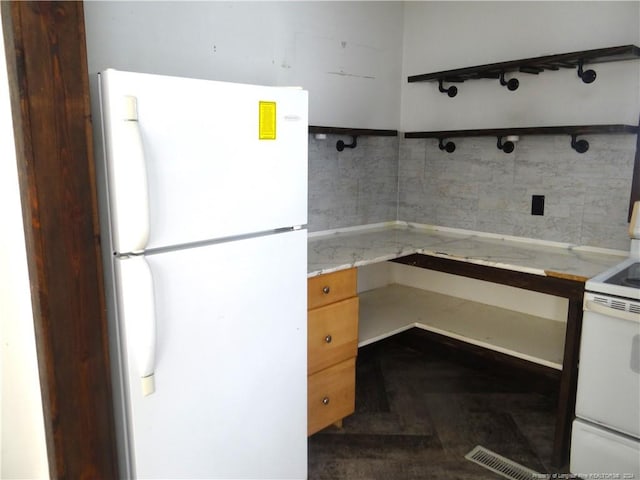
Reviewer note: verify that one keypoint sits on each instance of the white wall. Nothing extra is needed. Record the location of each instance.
(22, 443)
(350, 55)
(447, 35)
(347, 54)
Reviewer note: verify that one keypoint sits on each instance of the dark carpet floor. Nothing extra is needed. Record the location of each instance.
(420, 411)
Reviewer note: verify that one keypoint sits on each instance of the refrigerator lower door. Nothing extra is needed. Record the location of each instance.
(597, 451)
(230, 363)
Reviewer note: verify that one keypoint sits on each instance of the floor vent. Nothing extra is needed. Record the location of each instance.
(501, 465)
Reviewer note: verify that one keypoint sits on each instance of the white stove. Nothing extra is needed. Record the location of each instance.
(606, 433)
(621, 280)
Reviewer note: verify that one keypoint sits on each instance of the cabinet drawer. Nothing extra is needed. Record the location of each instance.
(332, 394)
(332, 334)
(331, 287)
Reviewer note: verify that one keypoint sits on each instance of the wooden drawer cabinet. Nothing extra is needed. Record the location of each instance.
(332, 346)
(331, 395)
(331, 287)
(332, 334)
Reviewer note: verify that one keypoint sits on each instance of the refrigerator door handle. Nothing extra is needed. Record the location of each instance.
(130, 183)
(138, 312)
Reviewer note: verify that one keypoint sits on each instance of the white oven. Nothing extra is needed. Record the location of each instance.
(606, 433)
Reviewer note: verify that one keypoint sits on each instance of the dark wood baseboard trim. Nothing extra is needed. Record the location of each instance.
(635, 177)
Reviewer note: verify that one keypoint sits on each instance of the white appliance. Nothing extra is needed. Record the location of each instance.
(606, 433)
(203, 189)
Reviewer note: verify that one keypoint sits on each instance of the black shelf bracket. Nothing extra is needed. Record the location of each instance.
(340, 145)
(450, 147)
(452, 91)
(579, 146)
(511, 84)
(506, 147)
(587, 77)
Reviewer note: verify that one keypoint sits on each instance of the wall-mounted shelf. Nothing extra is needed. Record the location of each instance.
(356, 132)
(574, 130)
(533, 65)
(501, 132)
(353, 132)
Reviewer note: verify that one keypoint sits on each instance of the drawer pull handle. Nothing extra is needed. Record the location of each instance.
(328, 339)
(325, 400)
(326, 290)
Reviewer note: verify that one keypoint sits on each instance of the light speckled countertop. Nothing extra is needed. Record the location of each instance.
(330, 252)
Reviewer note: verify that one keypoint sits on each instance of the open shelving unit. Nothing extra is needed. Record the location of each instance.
(354, 133)
(580, 146)
(534, 65)
(395, 308)
(550, 130)
(512, 134)
(550, 345)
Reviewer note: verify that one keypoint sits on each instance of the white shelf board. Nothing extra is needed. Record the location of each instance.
(395, 308)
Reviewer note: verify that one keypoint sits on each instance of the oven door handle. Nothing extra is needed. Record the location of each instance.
(592, 306)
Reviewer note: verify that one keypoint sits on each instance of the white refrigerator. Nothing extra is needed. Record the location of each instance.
(203, 205)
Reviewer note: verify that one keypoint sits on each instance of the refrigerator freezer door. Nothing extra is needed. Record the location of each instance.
(222, 159)
(230, 369)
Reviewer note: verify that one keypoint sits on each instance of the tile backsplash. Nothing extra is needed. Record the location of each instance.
(353, 187)
(478, 187)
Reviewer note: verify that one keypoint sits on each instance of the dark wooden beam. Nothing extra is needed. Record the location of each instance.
(568, 384)
(47, 65)
(635, 178)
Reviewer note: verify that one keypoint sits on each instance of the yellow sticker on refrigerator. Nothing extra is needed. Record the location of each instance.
(267, 121)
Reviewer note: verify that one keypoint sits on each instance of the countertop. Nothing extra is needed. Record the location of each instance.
(359, 246)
